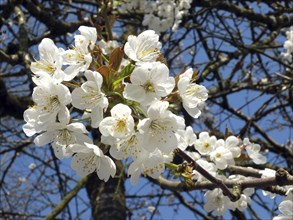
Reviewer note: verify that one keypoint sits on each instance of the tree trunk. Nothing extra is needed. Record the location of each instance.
(107, 198)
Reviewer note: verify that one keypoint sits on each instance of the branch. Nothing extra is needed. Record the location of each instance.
(270, 183)
(56, 26)
(67, 199)
(233, 197)
(272, 22)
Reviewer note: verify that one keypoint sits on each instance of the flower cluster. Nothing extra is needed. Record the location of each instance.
(129, 104)
(215, 155)
(159, 15)
(288, 45)
(128, 95)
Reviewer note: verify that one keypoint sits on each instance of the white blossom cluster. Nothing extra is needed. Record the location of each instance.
(159, 15)
(288, 45)
(213, 155)
(140, 125)
(134, 104)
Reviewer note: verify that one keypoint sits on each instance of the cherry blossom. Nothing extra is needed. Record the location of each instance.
(288, 45)
(79, 58)
(216, 201)
(222, 157)
(253, 152)
(50, 62)
(148, 163)
(149, 82)
(90, 97)
(62, 135)
(90, 35)
(191, 93)
(32, 125)
(143, 48)
(158, 130)
(286, 207)
(51, 99)
(186, 138)
(89, 158)
(120, 124)
(108, 47)
(125, 147)
(205, 144)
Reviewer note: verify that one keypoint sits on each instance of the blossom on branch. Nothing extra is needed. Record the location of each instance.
(143, 48)
(89, 158)
(89, 96)
(191, 93)
(149, 82)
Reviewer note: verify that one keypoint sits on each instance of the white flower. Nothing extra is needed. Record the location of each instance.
(288, 45)
(120, 124)
(268, 173)
(143, 48)
(90, 34)
(253, 152)
(89, 158)
(241, 204)
(125, 147)
(205, 144)
(149, 81)
(32, 126)
(32, 166)
(231, 143)
(186, 138)
(62, 135)
(50, 62)
(208, 166)
(90, 97)
(108, 47)
(78, 58)
(158, 130)
(222, 157)
(191, 93)
(151, 209)
(22, 179)
(51, 99)
(148, 163)
(286, 207)
(185, 4)
(216, 201)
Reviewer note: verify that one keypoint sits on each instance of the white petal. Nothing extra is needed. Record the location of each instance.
(96, 116)
(45, 138)
(106, 169)
(193, 112)
(106, 126)
(83, 164)
(61, 151)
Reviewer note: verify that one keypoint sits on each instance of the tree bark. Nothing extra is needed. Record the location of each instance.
(107, 198)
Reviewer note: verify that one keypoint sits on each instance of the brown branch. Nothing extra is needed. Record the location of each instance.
(67, 199)
(233, 197)
(56, 26)
(272, 22)
(269, 184)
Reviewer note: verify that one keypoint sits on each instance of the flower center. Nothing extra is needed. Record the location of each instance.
(120, 125)
(49, 68)
(148, 87)
(64, 137)
(206, 145)
(218, 155)
(192, 90)
(52, 103)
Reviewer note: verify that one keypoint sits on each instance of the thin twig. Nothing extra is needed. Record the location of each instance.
(67, 199)
(207, 175)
